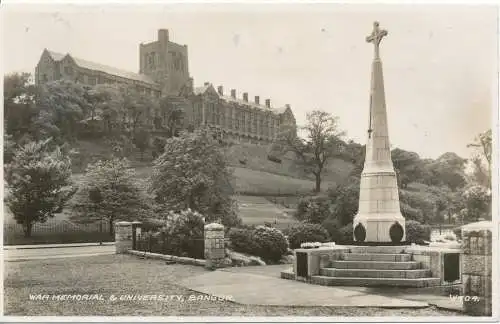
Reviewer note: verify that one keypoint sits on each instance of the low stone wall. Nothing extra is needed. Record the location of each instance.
(435, 258)
(317, 258)
(477, 268)
(166, 257)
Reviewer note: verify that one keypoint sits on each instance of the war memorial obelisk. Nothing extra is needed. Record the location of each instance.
(379, 217)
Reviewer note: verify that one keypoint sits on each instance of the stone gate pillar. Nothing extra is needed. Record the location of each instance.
(214, 245)
(477, 268)
(123, 237)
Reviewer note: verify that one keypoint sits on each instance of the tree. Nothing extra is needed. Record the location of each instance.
(63, 104)
(106, 104)
(38, 180)
(20, 109)
(477, 200)
(137, 110)
(322, 141)
(193, 173)
(447, 170)
(172, 116)
(408, 167)
(345, 200)
(483, 143)
(110, 191)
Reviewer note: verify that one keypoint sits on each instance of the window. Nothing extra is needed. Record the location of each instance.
(45, 78)
(91, 80)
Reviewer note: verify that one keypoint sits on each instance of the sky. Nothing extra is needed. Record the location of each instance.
(440, 61)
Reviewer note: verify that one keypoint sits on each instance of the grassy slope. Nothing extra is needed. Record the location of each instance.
(259, 176)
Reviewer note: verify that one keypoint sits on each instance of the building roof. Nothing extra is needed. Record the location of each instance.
(201, 90)
(204, 88)
(104, 68)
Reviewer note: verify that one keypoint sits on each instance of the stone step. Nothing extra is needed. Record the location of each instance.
(377, 257)
(375, 273)
(378, 249)
(374, 282)
(380, 265)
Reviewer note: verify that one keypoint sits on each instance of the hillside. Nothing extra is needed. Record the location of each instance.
(255, 157)
(257, 176)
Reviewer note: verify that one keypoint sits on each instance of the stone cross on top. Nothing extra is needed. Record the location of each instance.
(376, 37)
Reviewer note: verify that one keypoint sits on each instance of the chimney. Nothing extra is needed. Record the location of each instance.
(245, 96)
(233, 93)
(163, 35)
(207, 83)
(257, 100)
(220, 90)
(268, 103)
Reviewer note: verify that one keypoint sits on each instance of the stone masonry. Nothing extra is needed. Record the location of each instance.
(123, 237)
(214, 245)
(379, 206)
(477, 268)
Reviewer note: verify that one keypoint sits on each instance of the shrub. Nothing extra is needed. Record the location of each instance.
(416, 232)
(304, 232)
(333, 227)
(242, 240)
(345, 235)
(185, 233)
(272, 243)
(152, 224)
(313, 209)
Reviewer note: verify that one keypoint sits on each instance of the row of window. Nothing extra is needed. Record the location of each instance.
(254, 117)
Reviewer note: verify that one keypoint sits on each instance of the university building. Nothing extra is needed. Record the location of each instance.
(164, 72)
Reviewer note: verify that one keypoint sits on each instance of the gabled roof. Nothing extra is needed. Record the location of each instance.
(201, 90)
(100, 67)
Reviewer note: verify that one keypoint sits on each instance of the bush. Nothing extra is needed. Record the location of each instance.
(152, 224)
(416, 232)
(272, 244)
(242, 240)
(345, 235)
(265, 242)
(313, 209)
(333, 227)
(304, 232)
(185, 233)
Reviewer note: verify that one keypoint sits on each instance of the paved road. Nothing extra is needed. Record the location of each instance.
(44, 252)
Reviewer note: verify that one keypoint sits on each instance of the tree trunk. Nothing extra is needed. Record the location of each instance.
(111, 232)
(27, 229)
(318, 182)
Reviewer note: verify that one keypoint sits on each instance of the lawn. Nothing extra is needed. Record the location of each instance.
(262, 183)
(124, 274)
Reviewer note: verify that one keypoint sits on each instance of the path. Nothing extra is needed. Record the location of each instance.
(30, 252)
(261, 285)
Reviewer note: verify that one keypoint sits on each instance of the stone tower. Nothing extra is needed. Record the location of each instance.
(379, 217)
(165, 62)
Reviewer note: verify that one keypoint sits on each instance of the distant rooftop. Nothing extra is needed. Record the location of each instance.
(104, 68)
(202, 89)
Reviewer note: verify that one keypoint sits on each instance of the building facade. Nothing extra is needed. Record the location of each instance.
(164, 72)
